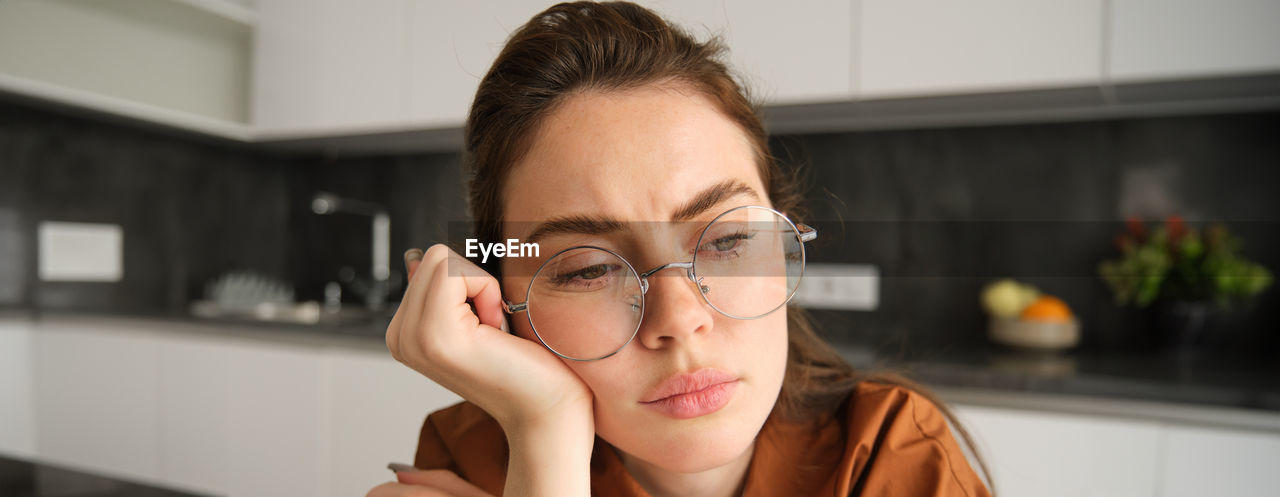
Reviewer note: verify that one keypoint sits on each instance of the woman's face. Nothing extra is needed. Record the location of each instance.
(639, 156)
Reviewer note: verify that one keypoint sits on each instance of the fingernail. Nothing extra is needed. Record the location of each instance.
(413, 254)
(397, 467)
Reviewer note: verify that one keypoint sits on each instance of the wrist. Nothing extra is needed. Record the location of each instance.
(550, 456)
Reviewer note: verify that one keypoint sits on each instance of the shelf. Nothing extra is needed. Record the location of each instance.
(225, 9)
(124, 108)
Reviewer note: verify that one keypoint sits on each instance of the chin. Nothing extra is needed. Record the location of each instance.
(698, 456)
(686, 446)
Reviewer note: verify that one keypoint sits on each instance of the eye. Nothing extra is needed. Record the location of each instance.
(590, 276)
(592, 272)
(728, 245)
(728, 242)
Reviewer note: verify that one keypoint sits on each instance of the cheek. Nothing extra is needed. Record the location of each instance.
(770, 349)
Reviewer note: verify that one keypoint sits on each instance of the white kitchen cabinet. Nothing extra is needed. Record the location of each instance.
(277, 416)
(1201, 461)
(788, 52)
(182, 64)
(1050, 455)
(921, 47)
(97, 399)
(194, 416)
(1166, 39)
(376, 411)
(329, 67)
(241, 413)
(17, 413)
(450, 47)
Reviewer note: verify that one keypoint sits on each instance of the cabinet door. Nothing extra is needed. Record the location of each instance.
(329, 66)
(450, 47)
(276, 417)
(17, 420)
(195, 406)
(1044, 454)
(1212, 461)
(377, 408)
(97, 399)
(788, 52)
(1159, 39)
(922, 47)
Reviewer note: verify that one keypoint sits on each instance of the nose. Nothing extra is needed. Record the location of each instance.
(674, 310)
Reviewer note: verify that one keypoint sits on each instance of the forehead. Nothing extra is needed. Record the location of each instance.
(630, 155)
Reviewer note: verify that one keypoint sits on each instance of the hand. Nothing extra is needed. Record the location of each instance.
(427, 483)
(435, 332)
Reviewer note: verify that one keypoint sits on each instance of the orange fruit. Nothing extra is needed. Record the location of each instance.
(1047, 308)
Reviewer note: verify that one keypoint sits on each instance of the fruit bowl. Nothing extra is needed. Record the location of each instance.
(1034, 334)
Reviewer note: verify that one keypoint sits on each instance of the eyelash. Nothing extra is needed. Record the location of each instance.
(732, 252)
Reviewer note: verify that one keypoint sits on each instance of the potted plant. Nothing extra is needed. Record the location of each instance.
(1182, 274)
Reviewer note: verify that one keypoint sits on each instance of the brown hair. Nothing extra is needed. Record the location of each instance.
(580, 46)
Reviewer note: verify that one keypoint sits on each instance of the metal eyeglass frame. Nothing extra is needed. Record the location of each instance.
(803, 232)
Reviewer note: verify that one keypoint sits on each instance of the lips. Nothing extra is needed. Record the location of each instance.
(687, 383)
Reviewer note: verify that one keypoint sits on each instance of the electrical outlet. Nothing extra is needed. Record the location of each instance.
(849, 287)
(80, 251)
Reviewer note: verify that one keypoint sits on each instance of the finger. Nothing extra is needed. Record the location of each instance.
(412, 258)
(395, 489)
(411, 304)
(443, 479)
(413, 266)
(477, 285)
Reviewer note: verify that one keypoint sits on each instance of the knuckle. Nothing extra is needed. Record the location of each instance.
(436, 252)
(383, 490)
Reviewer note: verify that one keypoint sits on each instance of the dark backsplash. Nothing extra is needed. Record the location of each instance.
(940, 212)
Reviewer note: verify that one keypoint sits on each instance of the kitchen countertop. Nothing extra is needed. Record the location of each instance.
(1207, 378)
(1208, 386)
(19, 478)
(1213, 388)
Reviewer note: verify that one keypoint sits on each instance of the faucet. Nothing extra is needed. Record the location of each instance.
(376, 293)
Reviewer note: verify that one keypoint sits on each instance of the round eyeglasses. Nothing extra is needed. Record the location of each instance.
(585, 303)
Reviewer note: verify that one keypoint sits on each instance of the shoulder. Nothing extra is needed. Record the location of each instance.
(900, 443)
(874, 403)
(465, 439)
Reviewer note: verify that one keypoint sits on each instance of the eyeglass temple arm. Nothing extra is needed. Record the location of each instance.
(807, 233)
(513, 308)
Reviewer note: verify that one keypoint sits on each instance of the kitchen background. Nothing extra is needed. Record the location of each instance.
(947, 146)
(938, 211)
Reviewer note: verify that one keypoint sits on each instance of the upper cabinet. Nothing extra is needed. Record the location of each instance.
(335, 66)
(923, 47)
(792, 52)
(450, 46)
(307, 73)
(182, 64)
(330, 66)
(1165, 39)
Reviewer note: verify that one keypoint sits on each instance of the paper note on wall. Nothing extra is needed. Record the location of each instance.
(80, 251)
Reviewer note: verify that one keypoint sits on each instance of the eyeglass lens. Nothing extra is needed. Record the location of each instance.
(587, 303)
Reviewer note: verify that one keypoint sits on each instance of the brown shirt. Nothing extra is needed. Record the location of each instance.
(885, 440)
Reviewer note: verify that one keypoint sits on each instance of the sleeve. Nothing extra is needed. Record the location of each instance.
(432, 452)
(464, 439)
(915, 453)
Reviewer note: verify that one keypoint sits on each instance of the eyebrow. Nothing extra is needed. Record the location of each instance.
(597, 225)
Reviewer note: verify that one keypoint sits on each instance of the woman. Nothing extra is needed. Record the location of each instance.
(653, 353)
